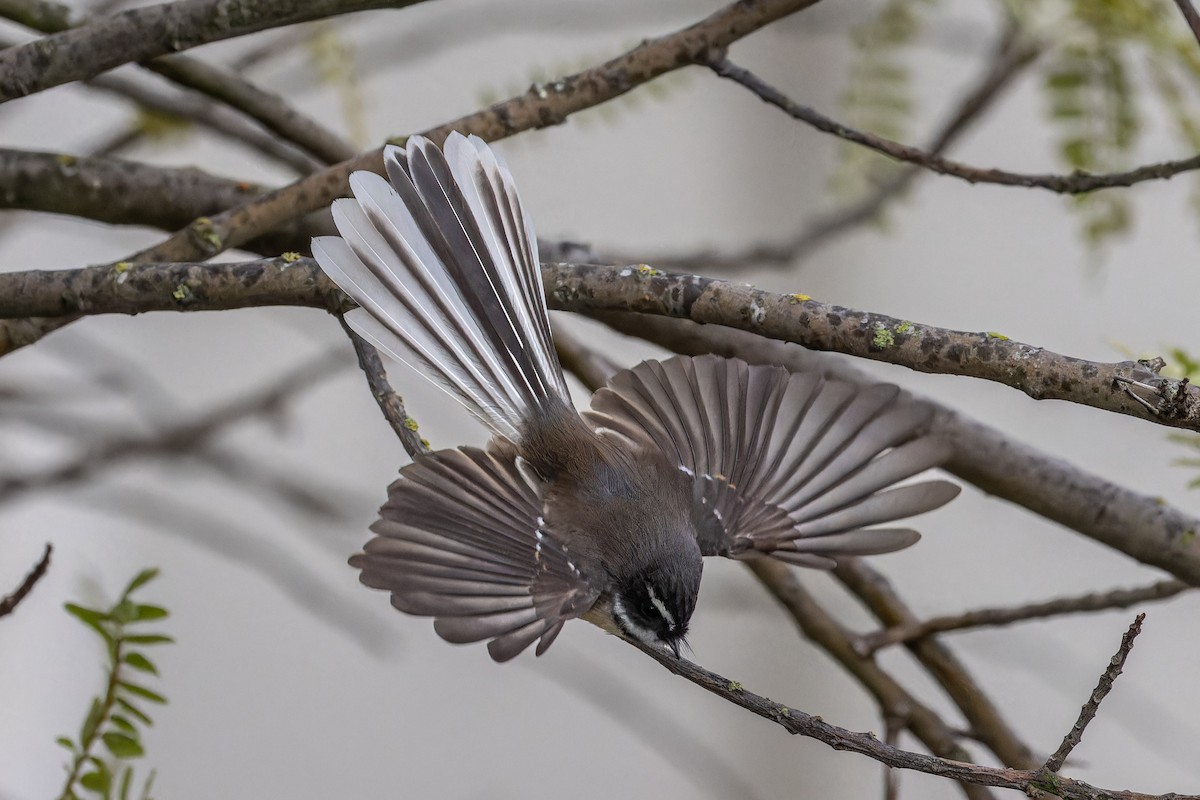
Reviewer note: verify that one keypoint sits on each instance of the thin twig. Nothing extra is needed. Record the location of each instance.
(995, 617)
(9, 603)
(987, 723)
(1031, 782)
(150, 31)
(1075, 183)
(390, 403)
(178, 438)
(1088, 712)
(894, 701)
(543, 105)
(1012, 56)
(1189, 13)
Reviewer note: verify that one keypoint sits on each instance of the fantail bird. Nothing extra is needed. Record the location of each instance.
(676, 460)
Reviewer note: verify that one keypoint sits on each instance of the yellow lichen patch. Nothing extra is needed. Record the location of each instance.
(905, 327)
(182, 293)
(799, 298)
(883, 338)
(290, 256)
(411, 424)
(203, 228)
(995, 335)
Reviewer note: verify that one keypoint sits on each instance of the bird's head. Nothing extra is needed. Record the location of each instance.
(656, 604)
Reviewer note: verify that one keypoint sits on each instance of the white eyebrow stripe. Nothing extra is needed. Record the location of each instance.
(661, 607)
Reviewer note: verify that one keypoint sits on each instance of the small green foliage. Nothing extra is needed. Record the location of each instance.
(89, 773)
(734, 686)
(332, 56)
(1181, 364)
(1192, 442)
(878, 95)
(1108, 61)
(883, 338)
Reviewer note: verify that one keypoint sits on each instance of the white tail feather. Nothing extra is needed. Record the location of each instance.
(443, 264)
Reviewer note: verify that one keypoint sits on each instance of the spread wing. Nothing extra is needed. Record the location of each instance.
(461, 538)
(790, 464)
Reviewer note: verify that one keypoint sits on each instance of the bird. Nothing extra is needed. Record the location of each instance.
(615, 507)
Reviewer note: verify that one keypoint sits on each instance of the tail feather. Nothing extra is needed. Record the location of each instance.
(443, 264)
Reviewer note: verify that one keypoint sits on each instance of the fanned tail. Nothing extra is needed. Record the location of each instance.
(444, 266)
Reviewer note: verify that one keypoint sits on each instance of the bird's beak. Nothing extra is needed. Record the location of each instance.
(674, 645)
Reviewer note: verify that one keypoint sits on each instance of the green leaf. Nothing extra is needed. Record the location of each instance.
(126, 782)
(142, 691)
(148, 785)
(124, 724)
(98, 780)
(141, 579)
(92, 618)
(153, 638)
(123, 746)
(63, 741)
(134, 711)
(125, 611)
(140, 662)
(145, 613)
(95, 714)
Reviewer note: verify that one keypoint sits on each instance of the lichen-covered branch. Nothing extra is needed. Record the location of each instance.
(122, 192)
(150, 31)
(1042, 374)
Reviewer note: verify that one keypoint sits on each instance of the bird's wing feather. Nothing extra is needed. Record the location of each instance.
(794, 465)
(461, 539)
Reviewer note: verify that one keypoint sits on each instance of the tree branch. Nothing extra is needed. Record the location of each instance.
(1088, 712)
(144, 33)
(894, 701)
(542, 106)
(1141, 526)
(179, 438)
(1075, 183)
(390, 403)
(1042, 374)
(914, 629)
(986, 722)
(122, 192)
(1032, 782)
(8, 604)
(1190, 16)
